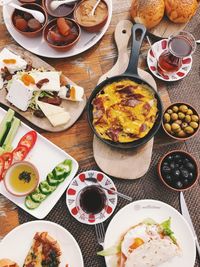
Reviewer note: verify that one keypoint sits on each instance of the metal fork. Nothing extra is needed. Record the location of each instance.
(100, 233)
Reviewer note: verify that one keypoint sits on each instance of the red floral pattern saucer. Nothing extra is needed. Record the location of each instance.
(153, 56)
(75, 187)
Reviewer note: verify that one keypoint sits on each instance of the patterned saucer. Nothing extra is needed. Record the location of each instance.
(152, 57)
(79, 183)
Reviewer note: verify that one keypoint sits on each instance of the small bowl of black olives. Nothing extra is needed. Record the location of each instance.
(178, 170)
(180, 121)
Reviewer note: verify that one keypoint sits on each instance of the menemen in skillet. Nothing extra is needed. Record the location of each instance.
(124, 111)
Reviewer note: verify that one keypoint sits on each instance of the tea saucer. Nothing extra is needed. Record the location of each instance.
(75, 187)
(152, 59)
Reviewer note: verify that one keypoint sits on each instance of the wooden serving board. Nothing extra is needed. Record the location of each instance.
(124, 164)
(74, 108)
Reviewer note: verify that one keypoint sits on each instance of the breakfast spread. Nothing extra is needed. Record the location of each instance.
(124, 111)
(84, 17)
(45, 251)
(145, 244)
(181, 121)
(48, 186)
(38, 90)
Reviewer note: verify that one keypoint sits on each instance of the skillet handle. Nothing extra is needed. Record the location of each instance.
(135, 48)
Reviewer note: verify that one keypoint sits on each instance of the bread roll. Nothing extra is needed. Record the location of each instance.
(8, 263)
(180, 11)
(147, 12)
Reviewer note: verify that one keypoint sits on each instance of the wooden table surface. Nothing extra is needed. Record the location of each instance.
(85, 70)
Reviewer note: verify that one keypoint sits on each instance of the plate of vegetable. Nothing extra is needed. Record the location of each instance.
(56, 168)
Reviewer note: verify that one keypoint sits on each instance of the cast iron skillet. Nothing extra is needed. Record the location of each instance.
(132, 74)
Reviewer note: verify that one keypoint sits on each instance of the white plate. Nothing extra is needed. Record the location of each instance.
(17, 243)
(39, 47)
(136, 212)
(45, 156)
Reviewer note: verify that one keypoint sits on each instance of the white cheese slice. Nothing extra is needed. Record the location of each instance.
(56, 115)
(52, 76)
(19, 95)
(78, 96)
(7, 54)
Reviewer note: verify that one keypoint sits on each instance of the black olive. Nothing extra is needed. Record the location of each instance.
(172, 165)
(176, 173)
(191, 176)
(177, 157)
(185, 182)
(190, 166)
(185, 161)
(179, 184)
(165, 163)
(166, 169)
(168, 178)
(185, 173)
(180, 161)
(181, 167)
(169, 158)
(177, 165)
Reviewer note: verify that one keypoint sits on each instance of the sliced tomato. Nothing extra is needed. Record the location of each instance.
(8, 158)
(1, 168)
(20, 152)
(28, 140)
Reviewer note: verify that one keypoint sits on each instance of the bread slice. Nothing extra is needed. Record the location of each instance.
(44, 252)
(8, 263)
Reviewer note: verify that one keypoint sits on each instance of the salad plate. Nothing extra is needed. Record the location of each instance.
(39, 47)
(141, 210)
(17, 243)
(44, 156)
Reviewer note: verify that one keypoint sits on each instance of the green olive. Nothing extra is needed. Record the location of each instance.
(194, 124)
(188, 118)
(175, 127)
(167, 127)
(189, 112)
(195, 118)
(166, 117)
(174, 116)
(181, 115)
(183, 108)
(178, 122)
(184, 125)
(189, 130)
(169, 111)
(175, 109)
(181, 134)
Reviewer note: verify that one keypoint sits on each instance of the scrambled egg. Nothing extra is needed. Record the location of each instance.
(124, 111)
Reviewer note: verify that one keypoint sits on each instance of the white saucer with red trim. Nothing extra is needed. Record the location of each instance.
(152, 59)
(77, 184)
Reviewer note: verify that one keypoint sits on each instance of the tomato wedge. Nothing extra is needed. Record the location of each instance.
(20, 152)
(28, 140)
(8, 158)
(1, 168)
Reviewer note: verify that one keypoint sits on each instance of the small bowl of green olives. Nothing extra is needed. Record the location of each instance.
(180, 121)
(178, 170)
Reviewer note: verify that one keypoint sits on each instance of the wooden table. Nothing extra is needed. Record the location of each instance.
(84, 69)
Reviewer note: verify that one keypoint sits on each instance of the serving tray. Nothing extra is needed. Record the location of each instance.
(45, 156)
(75, 109)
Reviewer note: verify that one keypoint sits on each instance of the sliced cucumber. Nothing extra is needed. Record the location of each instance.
(30, 204)
(59, 172)
(37, 196)
(51, 180)
(46, 188)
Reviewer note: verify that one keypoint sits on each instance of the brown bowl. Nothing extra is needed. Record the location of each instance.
(35, 7)
(61, 11)
(95, 27)
(7, 177)
(184, 155)
(176, 137)
(65, 47)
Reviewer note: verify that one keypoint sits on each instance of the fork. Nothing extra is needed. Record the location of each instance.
(100, 233)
